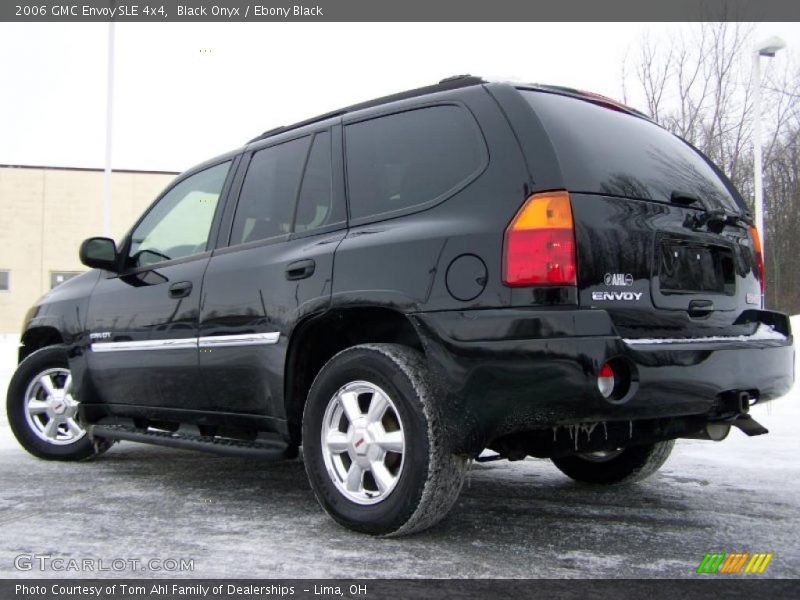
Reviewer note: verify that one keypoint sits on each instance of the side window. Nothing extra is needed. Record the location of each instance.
(315, 205)
(266, 202)
(179, 225)
(410, 158)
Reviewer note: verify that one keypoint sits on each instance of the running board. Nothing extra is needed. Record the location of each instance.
(186, 441)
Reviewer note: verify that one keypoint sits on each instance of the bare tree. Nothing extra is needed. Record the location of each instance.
(698, 86)
(782, 189)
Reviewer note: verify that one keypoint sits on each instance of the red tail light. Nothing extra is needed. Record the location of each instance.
(539, 246)
(759, 255)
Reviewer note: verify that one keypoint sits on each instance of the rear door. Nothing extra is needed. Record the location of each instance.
(275, 268)
(662, 237)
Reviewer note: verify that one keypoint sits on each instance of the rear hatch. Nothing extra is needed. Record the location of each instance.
(663, 240)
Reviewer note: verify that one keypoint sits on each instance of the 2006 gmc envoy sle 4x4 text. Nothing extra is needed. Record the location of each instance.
(404, 284)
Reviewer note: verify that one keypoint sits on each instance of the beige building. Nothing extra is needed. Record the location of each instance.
(46, 213)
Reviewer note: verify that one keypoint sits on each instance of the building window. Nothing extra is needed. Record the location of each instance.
(4, 281)
(59, 277)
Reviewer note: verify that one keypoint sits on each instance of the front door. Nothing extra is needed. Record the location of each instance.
(143, 322)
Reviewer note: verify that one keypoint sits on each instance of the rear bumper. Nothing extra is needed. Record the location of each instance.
(504, 371)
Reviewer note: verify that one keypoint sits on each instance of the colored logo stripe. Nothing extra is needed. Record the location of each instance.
(732, 563)
(758, 563)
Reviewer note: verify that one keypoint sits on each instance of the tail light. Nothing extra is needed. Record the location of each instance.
(759, 255)
(539, 244)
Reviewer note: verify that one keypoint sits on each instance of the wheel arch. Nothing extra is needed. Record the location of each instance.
(37, 338)
(315, 340)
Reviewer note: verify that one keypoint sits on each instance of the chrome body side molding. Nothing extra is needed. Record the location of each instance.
(211, 341)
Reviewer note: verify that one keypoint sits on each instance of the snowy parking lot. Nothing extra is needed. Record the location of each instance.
(234, 517)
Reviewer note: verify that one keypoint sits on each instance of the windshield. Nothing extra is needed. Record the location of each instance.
(605, 151)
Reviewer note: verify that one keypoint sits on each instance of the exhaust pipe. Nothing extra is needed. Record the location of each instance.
(718, 430)
(713, 431)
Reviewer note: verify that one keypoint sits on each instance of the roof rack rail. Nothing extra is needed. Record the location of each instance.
(273, 131)
(465, 77)
(448, 83)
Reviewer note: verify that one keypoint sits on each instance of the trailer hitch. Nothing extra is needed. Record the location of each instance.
(733, 410)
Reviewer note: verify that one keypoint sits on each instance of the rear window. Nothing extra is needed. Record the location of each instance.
(605, 151)
(410, 159)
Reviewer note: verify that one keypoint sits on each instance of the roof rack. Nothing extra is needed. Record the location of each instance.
(448, 83)
(453, 83)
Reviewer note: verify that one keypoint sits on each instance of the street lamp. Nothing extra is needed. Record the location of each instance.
(109, 128)
(766, 48)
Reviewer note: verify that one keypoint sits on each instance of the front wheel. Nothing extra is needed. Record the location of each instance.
(373, 442)
(42, 412)
(623, 465)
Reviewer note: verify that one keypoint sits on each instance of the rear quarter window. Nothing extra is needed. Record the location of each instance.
(267, 198)
(604, 151)
(407, 161)
(316, 205)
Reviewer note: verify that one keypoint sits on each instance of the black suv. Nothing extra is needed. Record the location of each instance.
(465, 271)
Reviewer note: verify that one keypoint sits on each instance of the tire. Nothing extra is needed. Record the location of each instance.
(32, 407)
(389, 496)
(625, 466)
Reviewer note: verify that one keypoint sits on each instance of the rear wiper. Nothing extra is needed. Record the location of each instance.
(713, 220)
(686, 199)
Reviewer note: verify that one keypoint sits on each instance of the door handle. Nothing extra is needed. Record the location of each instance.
(300, 269)
(180, 289)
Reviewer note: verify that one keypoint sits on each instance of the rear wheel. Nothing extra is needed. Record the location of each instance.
(622, 465)
(373, 442)
(42, 412)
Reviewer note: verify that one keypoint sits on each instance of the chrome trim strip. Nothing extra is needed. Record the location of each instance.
(211, 341)
(701, 340)
(245, 339)
(176, 344)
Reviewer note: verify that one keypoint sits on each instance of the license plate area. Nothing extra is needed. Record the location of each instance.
(688, 269)
(691, 268)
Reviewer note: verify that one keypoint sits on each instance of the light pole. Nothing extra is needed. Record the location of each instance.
(109, 136)
(766, 48)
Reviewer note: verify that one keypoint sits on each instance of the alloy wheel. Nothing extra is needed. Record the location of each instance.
(363, 442)
(50, 409)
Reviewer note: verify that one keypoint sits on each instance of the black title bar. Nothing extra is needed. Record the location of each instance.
(187, 11)
(700, 588)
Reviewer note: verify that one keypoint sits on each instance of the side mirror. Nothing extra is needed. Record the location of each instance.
(99, 253)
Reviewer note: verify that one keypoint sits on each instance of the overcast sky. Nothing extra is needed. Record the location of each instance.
(186, 92)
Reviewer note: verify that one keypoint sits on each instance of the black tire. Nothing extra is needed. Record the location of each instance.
(431, 477)
(631, 464)
(51, 357)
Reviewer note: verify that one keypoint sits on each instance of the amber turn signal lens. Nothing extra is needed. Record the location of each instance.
(759, 255)
(539, 246)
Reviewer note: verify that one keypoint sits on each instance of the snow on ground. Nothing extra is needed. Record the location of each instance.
(8, 362)
(243, 518)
